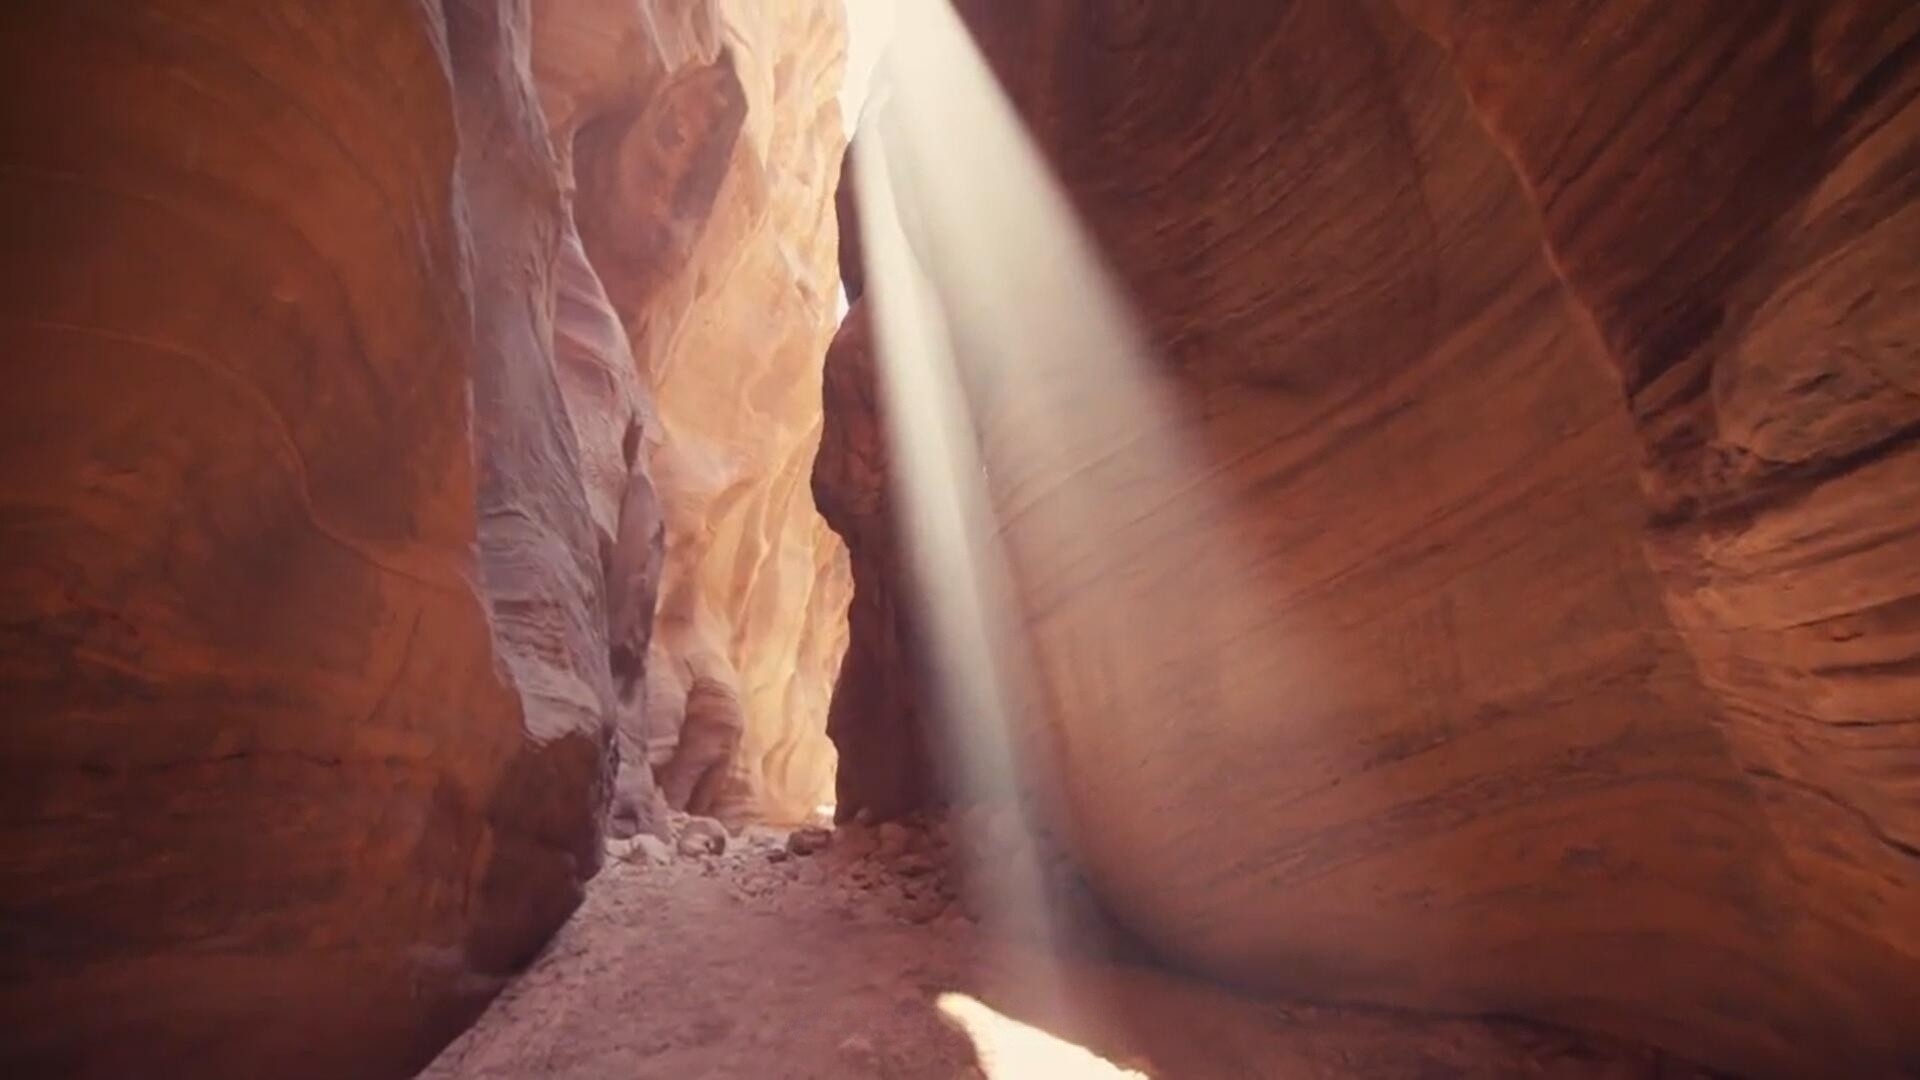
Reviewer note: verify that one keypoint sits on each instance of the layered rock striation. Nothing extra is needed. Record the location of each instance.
(305, 664)
(337, 477)
(1546, 372)
(705, 144)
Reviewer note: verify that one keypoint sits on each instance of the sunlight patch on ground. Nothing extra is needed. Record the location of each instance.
(1011, 1050)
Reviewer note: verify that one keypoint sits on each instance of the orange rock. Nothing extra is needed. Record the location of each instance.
(305, 669)
(353, 333)
(705, 176)
(1532, 697)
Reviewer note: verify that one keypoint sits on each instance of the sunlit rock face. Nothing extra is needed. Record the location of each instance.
(1557, 371)
(705, 145)
(305, 664)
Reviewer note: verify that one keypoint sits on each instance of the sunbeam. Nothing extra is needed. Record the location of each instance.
(1038, 455)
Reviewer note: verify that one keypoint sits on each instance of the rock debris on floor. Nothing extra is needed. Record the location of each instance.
(856, 953)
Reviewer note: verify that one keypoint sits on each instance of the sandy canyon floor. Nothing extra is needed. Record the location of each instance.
(860, 961)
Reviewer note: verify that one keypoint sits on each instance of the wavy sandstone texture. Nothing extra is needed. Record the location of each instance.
(1557, 365)
(706, 144)
(292, 776)
(332, 544)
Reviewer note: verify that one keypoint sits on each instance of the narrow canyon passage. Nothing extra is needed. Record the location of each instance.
(959, 538)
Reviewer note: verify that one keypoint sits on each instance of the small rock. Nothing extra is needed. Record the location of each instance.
(703, 836)
(809, 841)
(651, 850)
(778, 855)
(640, 848)
(923, 909)
(857, 1050)
(894, 840)
(763, 836)
(914, 864)
(854, 841)
(952, 918)
(691, 844)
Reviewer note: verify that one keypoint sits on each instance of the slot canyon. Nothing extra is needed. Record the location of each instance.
(960, 538)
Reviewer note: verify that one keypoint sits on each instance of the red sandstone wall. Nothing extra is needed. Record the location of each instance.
(1553, 363)
(293, 770)
(332, 534)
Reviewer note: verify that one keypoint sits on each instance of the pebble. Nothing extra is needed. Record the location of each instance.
(923, 909)
(809, 841)
(651, 850)
(914, 864)
(703, 836)
(894, 840)
(854, 841)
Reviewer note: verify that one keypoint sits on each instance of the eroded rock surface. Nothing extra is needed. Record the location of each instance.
(293, 777)
(880, 718)
(1766, 330)
(334, 538)
(706, 148)
(1548, 370)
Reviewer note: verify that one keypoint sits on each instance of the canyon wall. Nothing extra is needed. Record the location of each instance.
(881, 713)
(1760, 302)
(354, 345)
(706, 142)
(294, 773)
(755, 593)
(1551, 369)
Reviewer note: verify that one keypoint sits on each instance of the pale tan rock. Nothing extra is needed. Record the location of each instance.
(644, 849)
(706, 165)
(702, 191)
(653, 849)
(703, 836)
